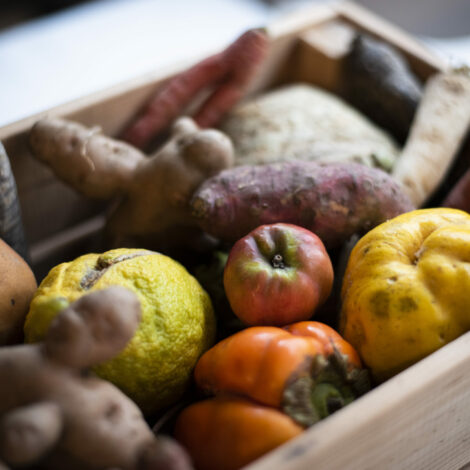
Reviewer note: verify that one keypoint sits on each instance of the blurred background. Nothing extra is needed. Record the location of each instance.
(54, 51)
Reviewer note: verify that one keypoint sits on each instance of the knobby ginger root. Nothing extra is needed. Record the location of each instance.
(154, 191)
(54, 415)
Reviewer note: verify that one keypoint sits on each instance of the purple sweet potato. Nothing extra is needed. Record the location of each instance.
(459, 196)
(332, 200)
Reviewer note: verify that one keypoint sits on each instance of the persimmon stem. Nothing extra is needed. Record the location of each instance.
(327, 399)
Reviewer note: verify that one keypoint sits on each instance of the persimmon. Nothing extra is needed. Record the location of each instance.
(226, 433)
(269, 384)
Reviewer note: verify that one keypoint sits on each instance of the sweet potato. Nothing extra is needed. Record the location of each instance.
(333, 200)
(459, 196)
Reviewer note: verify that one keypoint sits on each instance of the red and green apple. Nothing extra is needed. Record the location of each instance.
(277, 274)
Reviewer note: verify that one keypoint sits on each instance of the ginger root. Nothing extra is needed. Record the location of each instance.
(154, 191)
(54, 415)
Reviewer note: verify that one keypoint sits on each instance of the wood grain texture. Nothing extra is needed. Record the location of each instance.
(321, 54)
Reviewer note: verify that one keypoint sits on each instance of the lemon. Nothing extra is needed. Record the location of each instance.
(177, 325)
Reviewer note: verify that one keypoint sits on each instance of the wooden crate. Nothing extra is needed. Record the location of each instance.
(297, 53)
(417, 420)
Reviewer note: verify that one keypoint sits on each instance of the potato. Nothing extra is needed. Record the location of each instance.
(18, 285)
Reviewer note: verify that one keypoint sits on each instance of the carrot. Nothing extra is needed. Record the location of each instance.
(229, 71)
(437, 131)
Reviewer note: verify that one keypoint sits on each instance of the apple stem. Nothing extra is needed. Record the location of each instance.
(278, 261)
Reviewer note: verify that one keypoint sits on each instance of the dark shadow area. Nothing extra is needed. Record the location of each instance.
(13, 12)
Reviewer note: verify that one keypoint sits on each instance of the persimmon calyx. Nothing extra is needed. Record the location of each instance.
(327, 386)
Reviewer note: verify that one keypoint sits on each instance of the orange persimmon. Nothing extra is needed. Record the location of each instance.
(269, 384)
(225, 433)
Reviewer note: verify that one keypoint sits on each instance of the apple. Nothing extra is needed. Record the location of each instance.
(277, 274)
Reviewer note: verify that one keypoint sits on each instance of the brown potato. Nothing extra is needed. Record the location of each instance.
(17, 286)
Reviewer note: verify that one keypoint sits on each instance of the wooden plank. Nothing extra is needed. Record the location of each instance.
(321, 51)
(300, 20)
(284, 34)
(62, 239)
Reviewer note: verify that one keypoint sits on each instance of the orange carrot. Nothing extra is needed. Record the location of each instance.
(228, 72)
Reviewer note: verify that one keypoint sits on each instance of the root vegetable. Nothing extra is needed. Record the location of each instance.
(379, 82)
(54, 415)
(303, 122)
(18, 287)
(154, 190)
(28, 432)
(332, 200)
(437, 131)
(230, 71)
(459, 196)
(94, 164)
